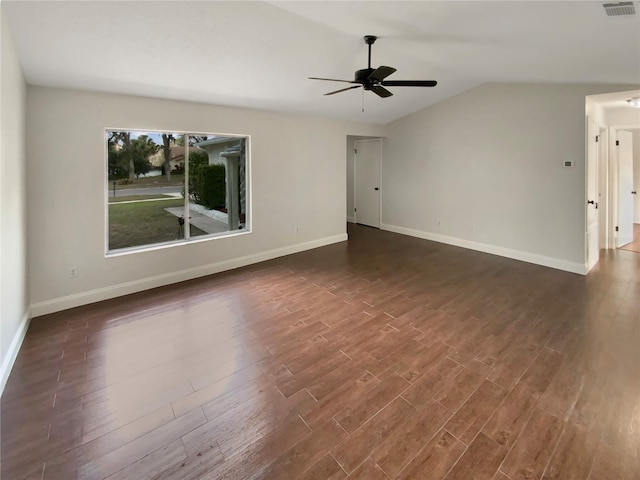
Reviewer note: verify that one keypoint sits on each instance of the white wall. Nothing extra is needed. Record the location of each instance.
(622, 116)
(484, 170)
(14, 299)
(298, 180)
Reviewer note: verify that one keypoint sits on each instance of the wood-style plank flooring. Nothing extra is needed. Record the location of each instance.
(385, 357)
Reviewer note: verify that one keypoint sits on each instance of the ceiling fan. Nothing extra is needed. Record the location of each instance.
(374, 78)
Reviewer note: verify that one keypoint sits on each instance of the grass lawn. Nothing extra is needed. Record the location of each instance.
(130, 198)
(160, 181)
(144, 223)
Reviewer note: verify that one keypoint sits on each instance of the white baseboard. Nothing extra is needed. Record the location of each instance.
(573, 267)
(351, 219)
(622, 241)
(14, 348)
(97, 295)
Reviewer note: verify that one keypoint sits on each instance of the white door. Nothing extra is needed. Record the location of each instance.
(625, 187)
(593, 245)
(367, 173)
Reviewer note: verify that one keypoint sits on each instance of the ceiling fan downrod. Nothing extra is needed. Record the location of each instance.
(370, 40)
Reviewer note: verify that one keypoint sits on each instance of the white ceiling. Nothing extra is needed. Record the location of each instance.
(259, 54)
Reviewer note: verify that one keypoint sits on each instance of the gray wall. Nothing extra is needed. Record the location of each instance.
(298, 179)
(484, 170)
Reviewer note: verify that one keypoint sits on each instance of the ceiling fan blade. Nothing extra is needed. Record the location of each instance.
(332, 80)
(381, 91)
(381, 73)
(342, 90)
(409, 83)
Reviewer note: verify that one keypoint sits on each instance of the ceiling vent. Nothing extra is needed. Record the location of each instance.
(619, 8)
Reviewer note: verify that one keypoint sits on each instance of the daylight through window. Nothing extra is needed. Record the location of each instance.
(164, 187)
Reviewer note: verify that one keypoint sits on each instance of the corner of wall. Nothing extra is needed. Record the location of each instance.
(14, 280)
(12, 353)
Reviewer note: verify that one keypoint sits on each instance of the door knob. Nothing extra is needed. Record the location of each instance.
(376, 188)
(633, 192)
(592, 202)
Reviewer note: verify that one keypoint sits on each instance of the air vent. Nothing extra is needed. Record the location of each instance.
(619, 8)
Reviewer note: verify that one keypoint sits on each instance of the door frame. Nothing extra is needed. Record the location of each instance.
(604, 174)
(592, 148)
(614, 183)
(607, 183)
(355, 178)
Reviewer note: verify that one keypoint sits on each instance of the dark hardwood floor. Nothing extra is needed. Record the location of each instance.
(387, 357)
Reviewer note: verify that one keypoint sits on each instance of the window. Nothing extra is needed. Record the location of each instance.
(165, 187)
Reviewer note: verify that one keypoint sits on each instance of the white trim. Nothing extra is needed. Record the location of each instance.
(14, 348)
(557, 263)
(99, 294)
(591, 146)
(351, 219)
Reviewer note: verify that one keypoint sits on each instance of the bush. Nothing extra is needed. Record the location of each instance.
(125, 181)
(211, 186)
(196, 160)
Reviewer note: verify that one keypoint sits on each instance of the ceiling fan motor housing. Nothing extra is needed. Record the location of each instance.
(362, 76)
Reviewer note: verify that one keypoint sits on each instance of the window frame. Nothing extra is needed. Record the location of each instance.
(184, 241)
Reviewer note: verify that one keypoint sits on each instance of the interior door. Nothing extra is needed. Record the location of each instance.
(593, 244)
(367, 174)
(625, 187)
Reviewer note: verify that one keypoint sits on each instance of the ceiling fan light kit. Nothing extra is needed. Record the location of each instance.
(634, 102)
(373, 79)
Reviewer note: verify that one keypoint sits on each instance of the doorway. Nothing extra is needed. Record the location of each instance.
(367, 164)
(627, 225)
(612, 170)
(624, 160)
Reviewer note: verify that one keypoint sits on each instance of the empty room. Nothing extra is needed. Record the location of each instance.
(320, 240)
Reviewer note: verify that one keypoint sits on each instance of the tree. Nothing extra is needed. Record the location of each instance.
(141, 149)
(122, 143)
(166, 151)
(118, 167)
(193, 140)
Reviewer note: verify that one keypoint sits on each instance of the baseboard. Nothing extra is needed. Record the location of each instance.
(97, 295)
(622, 241)
(573, 267)
(351, 219)
(14, 348)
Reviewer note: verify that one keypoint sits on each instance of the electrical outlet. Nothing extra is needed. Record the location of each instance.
(438, 222)
(73, 272)
(296, 229)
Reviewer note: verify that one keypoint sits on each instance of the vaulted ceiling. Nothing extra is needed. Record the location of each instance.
(259, 54)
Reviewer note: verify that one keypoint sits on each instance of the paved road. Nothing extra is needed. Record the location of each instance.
(145, 191)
